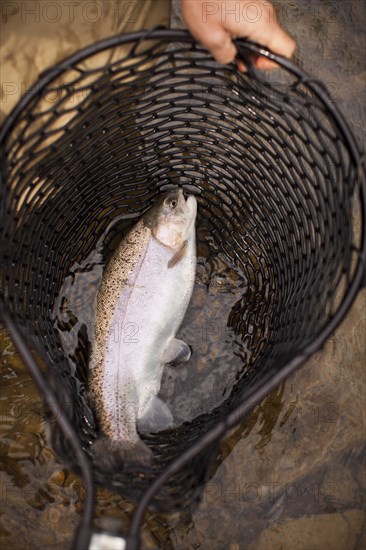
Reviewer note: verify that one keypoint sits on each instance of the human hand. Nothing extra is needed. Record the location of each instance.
(215, 24)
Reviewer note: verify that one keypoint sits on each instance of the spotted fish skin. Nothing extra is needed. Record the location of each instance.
(143, 296)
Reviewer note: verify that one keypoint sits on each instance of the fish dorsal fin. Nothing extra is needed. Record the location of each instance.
(178, 255)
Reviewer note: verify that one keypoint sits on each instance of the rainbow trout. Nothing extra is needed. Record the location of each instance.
(141, 302)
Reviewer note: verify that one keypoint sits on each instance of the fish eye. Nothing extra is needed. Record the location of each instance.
(172, 203)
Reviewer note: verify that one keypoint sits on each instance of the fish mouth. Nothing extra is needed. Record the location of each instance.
(191, 203)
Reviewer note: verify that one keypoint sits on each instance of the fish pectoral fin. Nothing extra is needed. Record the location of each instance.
(156, 418)
(177, 352)
(178, 255)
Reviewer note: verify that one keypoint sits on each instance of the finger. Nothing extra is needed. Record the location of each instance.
(263, 64)
(241, 66)
(280, 42)
(221, 46)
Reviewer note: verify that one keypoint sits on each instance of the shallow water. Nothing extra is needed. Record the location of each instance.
(292, 475)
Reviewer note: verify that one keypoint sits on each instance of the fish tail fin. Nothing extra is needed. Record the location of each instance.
(117, 456)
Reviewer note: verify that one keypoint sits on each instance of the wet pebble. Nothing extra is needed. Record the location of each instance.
(25, 446)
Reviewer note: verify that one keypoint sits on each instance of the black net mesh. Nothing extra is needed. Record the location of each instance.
(95, 143)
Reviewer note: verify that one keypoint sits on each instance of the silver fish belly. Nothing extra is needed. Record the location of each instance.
(141, 303)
